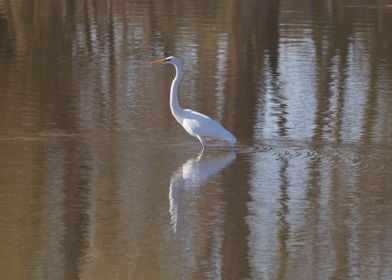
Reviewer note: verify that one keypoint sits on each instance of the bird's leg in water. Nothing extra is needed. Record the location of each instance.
(202, 142)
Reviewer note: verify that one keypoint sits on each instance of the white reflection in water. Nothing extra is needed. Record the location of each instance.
(356, 91)
(286, 104)
(221, 73)
(304, 213)
(190, 175)
(277, 210)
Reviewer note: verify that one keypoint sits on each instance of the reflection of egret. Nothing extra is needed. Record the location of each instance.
(194, 172)
(198, 125)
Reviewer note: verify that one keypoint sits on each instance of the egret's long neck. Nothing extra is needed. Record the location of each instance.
(174, 104)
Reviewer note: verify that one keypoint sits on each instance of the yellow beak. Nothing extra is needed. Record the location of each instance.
(158, 61)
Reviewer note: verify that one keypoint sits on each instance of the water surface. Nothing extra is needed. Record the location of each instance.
(98, 181)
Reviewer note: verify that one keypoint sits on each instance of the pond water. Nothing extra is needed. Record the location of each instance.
(98, 181)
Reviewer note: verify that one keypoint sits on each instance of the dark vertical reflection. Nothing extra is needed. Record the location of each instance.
(235, 227)
(43, 48)
(330, 50)
(76, 194)
(252, 41)
(256, 36)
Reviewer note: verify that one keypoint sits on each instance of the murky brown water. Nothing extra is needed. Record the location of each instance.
(98, 181)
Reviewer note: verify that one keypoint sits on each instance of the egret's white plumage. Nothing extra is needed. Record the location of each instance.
(196, 124)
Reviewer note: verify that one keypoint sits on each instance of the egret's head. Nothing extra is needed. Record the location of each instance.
(170, 60)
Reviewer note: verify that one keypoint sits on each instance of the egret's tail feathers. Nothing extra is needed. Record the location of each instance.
(229, 137)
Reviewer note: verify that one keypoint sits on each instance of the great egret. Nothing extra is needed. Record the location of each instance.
(196, 124)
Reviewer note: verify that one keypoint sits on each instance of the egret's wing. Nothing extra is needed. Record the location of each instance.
(201, 125)
(192, 126)
(198, 124)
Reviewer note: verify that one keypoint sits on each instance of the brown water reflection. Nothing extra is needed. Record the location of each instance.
(97, 181)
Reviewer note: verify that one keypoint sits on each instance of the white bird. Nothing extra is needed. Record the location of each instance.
(196, 124)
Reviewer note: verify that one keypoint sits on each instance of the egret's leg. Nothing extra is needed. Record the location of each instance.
(202, 142)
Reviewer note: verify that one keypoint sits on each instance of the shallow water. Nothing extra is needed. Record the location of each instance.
(98, 181)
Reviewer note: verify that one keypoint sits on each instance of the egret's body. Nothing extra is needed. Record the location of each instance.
(196, 124)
